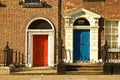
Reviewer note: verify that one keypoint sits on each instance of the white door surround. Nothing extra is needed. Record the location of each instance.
(93, 19)
(29, 42)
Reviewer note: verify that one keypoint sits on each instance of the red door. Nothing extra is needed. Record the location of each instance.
(40, 50)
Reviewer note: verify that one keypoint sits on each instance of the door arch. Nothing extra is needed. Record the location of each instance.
(83, 20)
(40, 43)
(81, 40)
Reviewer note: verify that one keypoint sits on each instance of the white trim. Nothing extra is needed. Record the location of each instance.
(38, 19)
(83, 11)
(118, 34)
(29, 44)
(82, 27)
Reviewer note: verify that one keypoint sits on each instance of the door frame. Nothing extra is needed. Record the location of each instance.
(29, 43)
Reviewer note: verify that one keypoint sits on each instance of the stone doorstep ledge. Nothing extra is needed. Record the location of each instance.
(4, 70)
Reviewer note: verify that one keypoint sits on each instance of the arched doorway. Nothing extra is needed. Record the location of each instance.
(81, 36)
(81, 41)
(40, 43)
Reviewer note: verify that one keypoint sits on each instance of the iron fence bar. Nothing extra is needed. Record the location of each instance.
(8, 56)
(111, 55)
(116, 56)
(16, 57)
(5, 59)
(22, 58)
(19, 58)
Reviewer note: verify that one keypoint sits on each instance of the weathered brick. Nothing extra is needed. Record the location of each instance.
(14, 20)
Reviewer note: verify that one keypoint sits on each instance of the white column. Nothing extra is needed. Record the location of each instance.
(23, 0)
(119, 34)
(94, 42)
(51, 49)
(68, 41)
(29, 64)
(69, 44)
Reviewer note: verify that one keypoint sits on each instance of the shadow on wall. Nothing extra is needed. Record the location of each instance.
(2, 5)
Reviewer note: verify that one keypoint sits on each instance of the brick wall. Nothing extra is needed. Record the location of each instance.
(14, 19)
(108, 9)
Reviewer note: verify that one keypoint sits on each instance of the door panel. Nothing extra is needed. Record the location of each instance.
(81, 45)
(40, 50)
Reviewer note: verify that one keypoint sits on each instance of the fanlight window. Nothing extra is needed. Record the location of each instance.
(81, 22)
(40, 24)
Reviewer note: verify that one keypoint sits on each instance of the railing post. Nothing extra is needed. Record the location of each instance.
(5, 58)
(106, 54)
(16, 57)
(8, 55)
(22, 58)
(105, 51)
(19, 58)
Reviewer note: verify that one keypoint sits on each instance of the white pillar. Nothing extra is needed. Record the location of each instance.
(119, 34)
(29, 57)
(94, 44)
(23, 0)
(69, 44)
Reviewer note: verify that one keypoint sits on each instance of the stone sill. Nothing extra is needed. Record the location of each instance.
(32, 5)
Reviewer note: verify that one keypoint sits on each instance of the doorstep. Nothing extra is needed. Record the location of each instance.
(4, 70)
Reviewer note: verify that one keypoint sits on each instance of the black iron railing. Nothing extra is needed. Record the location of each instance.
(18, 59)
(9, 56)
(2, 58)
(110, 55)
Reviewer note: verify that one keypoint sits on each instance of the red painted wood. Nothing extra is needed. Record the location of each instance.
(40, 50)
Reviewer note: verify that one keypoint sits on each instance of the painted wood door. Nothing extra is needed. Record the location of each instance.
(81, 45)
(40, 50)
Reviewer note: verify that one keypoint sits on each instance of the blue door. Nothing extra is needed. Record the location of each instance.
(81, 45)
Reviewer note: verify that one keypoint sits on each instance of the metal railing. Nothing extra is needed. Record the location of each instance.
(110, 55)
(9, 56)
(2, 58)
(18, 59)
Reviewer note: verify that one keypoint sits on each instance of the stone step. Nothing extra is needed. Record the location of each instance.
(83, 73)
(84, 68)
(84, 64)
(36, 71)
(37, 68)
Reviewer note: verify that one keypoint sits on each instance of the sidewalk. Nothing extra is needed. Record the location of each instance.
(59, 77)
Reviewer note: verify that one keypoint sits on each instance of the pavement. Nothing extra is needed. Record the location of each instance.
(59, 77)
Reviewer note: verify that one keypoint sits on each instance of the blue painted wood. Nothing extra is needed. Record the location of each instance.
(81, 45)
